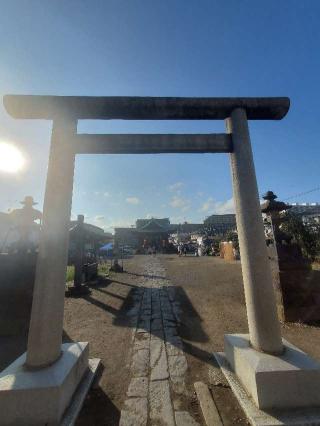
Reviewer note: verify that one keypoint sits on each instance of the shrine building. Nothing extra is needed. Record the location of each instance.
(150, 232)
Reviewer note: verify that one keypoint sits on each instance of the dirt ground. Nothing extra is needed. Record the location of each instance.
(211, 296)
(215, 289)
(101, 319)
(211, 293)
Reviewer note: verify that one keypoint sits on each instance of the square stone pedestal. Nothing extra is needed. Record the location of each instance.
(40, 397)
(288, 381)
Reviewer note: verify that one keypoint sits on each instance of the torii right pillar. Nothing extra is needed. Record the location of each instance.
(276, 374)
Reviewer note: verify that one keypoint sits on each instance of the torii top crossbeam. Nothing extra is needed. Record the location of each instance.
(143, 108)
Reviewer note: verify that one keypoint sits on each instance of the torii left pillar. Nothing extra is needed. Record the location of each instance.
(39, 385)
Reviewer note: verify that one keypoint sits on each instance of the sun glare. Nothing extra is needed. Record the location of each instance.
(11, 158)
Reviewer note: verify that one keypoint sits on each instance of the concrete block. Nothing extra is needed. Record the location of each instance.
(37, 397)
(141, 341)
(208, 407)
(174, 346)
(161, 410)
(140, 363)
(177, 365)
(291, 380)
(158, 361)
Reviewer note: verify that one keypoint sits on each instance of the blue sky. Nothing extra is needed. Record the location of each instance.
(163, 48)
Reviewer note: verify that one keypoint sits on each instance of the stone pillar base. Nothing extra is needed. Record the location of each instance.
(291, 380)
(38, 397)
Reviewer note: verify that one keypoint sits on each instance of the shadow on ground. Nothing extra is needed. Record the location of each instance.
(189, 327)
(98, 409)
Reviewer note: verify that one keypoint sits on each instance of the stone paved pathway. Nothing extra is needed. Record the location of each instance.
(158, 363)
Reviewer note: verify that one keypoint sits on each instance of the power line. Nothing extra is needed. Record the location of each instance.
(303, 193)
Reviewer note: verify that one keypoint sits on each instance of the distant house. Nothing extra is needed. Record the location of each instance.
(153, 222)
(186, 228)
(221, 223)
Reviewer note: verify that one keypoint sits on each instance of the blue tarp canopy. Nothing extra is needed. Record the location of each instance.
(107, 247)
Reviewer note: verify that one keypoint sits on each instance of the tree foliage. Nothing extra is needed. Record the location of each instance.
(306, 236)
(232, 236)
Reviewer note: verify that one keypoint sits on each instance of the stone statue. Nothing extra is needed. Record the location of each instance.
(23, 222)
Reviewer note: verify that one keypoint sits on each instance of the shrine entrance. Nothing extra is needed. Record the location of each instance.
(45, 333)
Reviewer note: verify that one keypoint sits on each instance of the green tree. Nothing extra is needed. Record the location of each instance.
(306, 236)
(232, 236)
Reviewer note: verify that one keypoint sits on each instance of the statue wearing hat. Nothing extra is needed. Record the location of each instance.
(23, 221)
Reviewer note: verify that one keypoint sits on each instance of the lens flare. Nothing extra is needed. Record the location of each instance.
(11, 158)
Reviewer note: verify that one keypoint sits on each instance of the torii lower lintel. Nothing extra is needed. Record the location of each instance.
(152, 143)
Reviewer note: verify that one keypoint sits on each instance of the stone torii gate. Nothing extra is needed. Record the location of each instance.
(46, 356)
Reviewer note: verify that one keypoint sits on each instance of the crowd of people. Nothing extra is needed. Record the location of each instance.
(197, 250)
